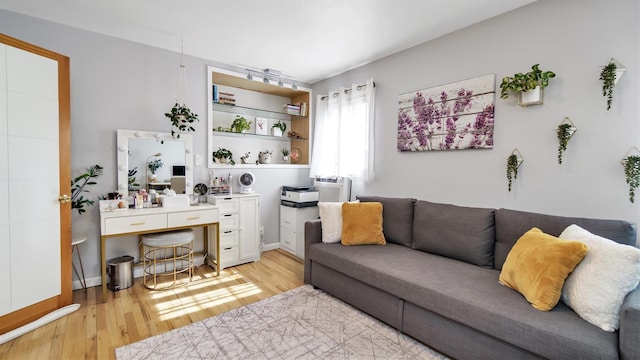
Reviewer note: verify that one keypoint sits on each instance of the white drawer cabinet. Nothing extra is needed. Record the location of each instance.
(239, 228)
(292, 228)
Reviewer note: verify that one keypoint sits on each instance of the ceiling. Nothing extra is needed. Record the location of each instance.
(307, 40)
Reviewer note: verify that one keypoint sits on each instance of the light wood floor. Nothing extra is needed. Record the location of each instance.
(133, 314)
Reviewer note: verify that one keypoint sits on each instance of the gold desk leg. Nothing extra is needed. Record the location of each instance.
(103, 260)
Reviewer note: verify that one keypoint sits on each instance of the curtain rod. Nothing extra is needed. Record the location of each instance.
(358, 87)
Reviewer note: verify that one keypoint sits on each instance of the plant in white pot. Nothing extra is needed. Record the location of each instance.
(279, 128)
(240, 124)
(182, 119)
(223, 156)
(529, 86)
(264, 157)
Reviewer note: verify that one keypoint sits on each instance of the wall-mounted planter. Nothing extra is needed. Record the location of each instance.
(531, 97)
(631, 163)
(564, 132)
(514, 161)
(610, 75)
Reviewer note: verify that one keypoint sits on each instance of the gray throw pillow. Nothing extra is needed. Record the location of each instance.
(461, 233)
(397, 218)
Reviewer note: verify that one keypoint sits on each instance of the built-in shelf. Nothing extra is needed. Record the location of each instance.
(237, 109)
(250, 135)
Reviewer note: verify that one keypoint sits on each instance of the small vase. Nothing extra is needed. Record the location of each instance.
(276, 132)
(285, 158)
(531, 97)
(153, 178)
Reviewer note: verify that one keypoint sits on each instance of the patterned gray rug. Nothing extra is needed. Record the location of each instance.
(303, 323)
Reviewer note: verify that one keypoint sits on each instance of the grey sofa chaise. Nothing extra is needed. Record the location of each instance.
(436, 280)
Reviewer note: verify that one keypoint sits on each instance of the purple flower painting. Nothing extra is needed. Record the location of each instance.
(448, 117)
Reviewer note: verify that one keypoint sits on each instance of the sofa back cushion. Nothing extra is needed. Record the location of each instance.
(512, 224)
(462, 233)
(397, 218)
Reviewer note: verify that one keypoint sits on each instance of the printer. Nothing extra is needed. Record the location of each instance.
(299, 196)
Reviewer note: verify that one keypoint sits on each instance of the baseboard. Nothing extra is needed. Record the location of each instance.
(273, 246)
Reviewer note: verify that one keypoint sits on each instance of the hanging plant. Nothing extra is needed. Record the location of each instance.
(608, 78)
(512, 168)
(182, 120)
(564, 133)
(632, 173)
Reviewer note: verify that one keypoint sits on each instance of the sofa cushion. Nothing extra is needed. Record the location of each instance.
(597, 287)
(469, 295)
(537, 266)
(397, 218)
(362, 224)
(331, 221)
(462, 233)
(511, 224)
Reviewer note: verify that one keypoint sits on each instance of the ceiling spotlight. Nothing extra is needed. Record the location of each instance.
(294, 86)
(249, 77)
(266, 80)
(280, 83)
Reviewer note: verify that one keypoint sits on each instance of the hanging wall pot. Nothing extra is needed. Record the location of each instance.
(610, 75)
(514, 161)
(564, 132)
(631, 164)
(529, 86)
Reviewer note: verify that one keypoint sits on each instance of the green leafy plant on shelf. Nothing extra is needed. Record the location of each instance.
(240, 124)
(223, 156)
(182, 119)
(525, 82)
(154, 165)
(280, 125)
(512, 169)
(564, 132)
(78, 185)
(632, 173)
(608, 78)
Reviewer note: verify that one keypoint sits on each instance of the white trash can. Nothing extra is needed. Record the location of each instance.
(120, 272)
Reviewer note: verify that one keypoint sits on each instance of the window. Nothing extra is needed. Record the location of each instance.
(343, 139)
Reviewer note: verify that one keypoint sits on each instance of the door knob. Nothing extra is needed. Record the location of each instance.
(64, 198)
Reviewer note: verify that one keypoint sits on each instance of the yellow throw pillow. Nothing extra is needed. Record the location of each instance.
(538, 265)
(362, 224)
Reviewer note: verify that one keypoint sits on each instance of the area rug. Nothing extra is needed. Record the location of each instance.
(303, 323)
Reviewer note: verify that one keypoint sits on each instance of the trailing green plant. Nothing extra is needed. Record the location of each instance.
(524, 82)
(632, 174)
(182, 119)
(223, 153)
(563, 132)
(78, 187)
(240, 124)
(608, 78)
(512, 168)
(280, 125)
(154, 165)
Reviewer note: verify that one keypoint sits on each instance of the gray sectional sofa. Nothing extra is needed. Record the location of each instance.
(437, 281)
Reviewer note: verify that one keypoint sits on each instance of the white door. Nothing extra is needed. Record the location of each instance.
(34, 226)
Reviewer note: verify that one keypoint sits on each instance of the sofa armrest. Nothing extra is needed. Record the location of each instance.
(312, 235)
(630, 326)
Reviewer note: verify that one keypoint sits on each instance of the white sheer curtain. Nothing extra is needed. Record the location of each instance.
(343, 137)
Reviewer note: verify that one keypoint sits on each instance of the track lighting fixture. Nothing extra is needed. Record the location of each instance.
(268, 75)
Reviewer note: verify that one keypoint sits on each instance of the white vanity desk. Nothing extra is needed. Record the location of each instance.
(125, 222)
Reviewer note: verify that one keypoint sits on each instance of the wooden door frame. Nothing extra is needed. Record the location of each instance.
(30, 313)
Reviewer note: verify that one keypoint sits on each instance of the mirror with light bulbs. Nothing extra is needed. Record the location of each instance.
(173, 159)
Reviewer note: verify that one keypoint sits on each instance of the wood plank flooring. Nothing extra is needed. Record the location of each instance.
(133, 314)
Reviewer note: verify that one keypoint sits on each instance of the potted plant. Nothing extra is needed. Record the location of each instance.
(608, 78)
(279, 128)
(285, 154)
(529, 86)
(240, 124)
(131, 179)
(154, 165)
(513, 163)
(78, 187)
(265, 157)
(632, 173)
(564, 133)
(182, 120)
(223, 156)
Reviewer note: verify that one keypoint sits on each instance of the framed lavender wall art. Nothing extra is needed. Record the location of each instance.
(448, 117)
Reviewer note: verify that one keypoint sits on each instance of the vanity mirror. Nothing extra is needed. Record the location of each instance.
(173, 160)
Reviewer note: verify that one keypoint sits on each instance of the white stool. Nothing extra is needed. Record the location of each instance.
(167, 254)
(75, 241)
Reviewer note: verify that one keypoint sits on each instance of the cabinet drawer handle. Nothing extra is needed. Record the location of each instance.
(227, 248)
(227, 215)
(193, 218)
(137, 223)
(228, 198)
(228, 232)
(287, 222)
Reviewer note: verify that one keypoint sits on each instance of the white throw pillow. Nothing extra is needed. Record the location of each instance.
(598, 285)
(331, 221)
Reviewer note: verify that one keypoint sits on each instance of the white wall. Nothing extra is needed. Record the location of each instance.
(118, 84)
(574, 38)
